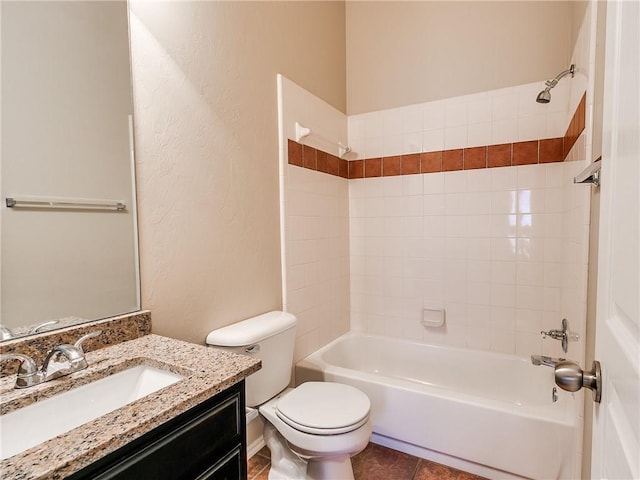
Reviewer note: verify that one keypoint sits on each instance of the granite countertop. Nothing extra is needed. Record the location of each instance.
(207, 371)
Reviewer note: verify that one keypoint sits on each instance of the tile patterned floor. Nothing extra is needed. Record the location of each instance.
(377, 463)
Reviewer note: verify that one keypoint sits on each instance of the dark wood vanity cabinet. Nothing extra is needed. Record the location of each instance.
(207, 442)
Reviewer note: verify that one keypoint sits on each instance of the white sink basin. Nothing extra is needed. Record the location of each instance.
(36, 423)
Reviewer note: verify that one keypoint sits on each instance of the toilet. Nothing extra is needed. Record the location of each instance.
(312, 430)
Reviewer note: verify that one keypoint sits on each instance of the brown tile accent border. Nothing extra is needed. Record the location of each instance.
(499, 155)
(550, 150)
(356, 169)
(321, 161)
(314, 159)
(546, 150)
(475, 157)
(525, 153)
(576, 126)
(391, 166)
(373, 167)
(452, 160)
(309, 157)
(410, 164)
(430, 162)
(295, 153)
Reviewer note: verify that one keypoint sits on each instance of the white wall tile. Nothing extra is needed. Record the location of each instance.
(392, 121)
(455, 226)
(433, 183)
(479, 225)
(412, 119)
(532, 128)
(504, 107)
(412, 185)
(479, 248)
(502, 248)
(503, 131)
(433, 116)
(455, 182)
(503, 225)
(504, 201)
(529, 320)
(455, 137)
(455, 113)
(479, 109)
(531, 176)
(455, 203)
(433, 140)
(503, 272)
(373, 125)
(392, 145)
(479, 134)
(504, 178)
(412, 142)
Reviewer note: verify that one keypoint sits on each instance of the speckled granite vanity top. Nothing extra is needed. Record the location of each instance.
(207, 371)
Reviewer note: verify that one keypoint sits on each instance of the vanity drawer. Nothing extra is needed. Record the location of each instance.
(207, 442)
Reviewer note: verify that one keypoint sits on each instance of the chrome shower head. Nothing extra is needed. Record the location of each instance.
(545, 95)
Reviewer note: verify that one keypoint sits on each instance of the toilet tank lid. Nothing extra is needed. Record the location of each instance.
(252, 330)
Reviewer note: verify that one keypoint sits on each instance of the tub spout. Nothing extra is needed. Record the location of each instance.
(544, 360)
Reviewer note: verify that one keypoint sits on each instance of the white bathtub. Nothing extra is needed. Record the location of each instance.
(487, 413)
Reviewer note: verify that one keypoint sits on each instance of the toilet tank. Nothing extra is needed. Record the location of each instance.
(269, 337)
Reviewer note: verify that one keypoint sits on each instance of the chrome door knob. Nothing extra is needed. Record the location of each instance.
(570, 377)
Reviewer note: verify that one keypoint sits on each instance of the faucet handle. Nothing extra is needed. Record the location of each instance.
(5, 333)
(83, 338)
(27, 365)
(40, 326)
(28, 373)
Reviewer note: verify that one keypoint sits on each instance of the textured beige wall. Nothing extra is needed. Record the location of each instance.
(207, 151)
(400, 53)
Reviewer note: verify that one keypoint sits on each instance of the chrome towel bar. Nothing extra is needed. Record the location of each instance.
(65, 203)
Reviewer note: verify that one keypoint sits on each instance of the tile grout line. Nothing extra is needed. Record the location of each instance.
(417, 469)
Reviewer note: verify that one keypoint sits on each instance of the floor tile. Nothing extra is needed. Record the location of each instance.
(434, 471)
(256, 465)
(376, 463)
(380, 463)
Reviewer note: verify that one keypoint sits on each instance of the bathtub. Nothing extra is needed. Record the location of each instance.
(486, 413)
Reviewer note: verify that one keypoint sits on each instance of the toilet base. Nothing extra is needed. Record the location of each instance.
(330, 469)
(285, 465)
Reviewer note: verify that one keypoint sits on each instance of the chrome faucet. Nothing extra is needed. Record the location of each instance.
(544, 360)
(7, 334)
(61, 360)
(563, 335)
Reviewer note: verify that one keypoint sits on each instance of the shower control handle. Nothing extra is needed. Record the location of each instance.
(570, 377)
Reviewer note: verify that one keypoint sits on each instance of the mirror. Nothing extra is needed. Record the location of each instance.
(67, 145)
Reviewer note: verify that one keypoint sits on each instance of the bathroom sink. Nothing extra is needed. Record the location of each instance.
(36, 423)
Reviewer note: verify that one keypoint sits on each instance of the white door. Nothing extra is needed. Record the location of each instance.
(616, 435)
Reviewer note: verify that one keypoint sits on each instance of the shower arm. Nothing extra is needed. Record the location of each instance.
(552, 83)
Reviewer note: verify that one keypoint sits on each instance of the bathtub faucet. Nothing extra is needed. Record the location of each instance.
(544, 360)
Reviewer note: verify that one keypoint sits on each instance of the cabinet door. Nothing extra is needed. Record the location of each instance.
(229, 468)
(208, 438)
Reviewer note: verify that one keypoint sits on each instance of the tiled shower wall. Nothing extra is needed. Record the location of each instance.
(484, 245)
(489, 245)
(314, 219)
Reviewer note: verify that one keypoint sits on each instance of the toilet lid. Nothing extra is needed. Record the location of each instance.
(324, 408)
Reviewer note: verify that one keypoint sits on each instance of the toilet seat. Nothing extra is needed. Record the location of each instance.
(324, 408)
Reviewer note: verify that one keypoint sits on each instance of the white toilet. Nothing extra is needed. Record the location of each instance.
(324, 423)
